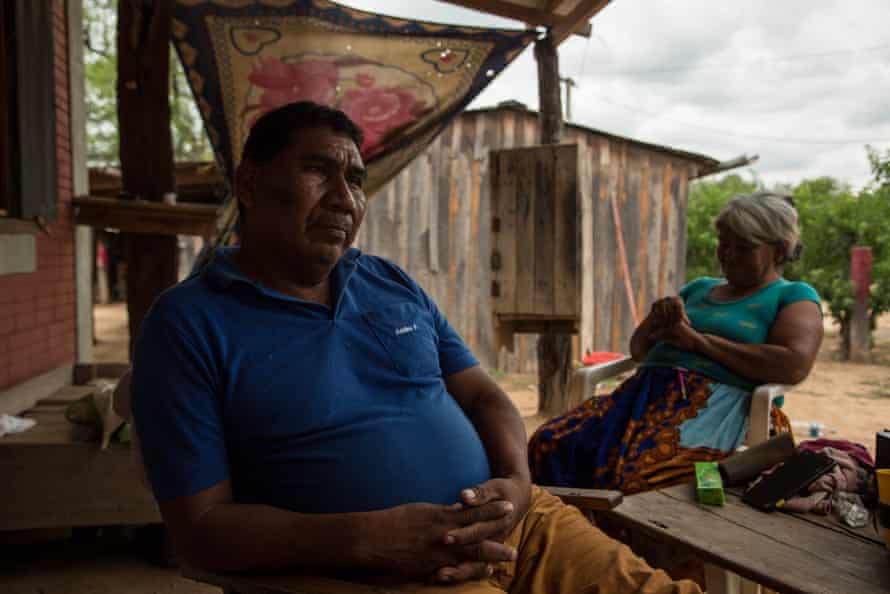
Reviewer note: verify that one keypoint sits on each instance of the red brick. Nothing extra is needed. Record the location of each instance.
(20, 308)
(64, 312)
(64, 290)
(19, 341)
(25, 323)
(43, 317)
(6, 326)
(62, 327)
(26, 293)
(45, 302)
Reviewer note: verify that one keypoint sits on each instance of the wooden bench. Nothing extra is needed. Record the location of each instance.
(55, 475)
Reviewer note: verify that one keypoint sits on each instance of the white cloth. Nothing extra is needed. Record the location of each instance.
(10, 424)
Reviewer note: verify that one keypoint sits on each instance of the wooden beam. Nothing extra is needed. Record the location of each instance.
(140, 216)
(554, 346)
(146, 144)
(577, 19)
(549, 95)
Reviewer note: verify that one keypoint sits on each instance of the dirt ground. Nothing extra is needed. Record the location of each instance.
(851, 401)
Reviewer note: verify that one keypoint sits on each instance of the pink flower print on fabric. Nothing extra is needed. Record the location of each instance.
(378, 111)
(289, 82)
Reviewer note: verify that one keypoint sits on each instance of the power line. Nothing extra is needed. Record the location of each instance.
(790, 140)
(727, 66)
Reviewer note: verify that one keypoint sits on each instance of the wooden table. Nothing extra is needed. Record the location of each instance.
(785, 552)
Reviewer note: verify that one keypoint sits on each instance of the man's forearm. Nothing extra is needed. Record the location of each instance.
(766, 363)
(232, 537)
(503, 434)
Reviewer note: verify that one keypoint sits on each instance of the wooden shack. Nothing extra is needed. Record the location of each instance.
(435, 219)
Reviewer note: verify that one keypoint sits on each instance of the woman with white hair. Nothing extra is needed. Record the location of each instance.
(701, 354)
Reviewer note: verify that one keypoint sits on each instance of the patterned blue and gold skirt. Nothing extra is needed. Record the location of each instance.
(645, 435)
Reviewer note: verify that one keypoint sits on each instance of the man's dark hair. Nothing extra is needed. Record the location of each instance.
(274, 131)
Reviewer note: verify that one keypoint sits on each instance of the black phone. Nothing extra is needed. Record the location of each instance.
(786, 481)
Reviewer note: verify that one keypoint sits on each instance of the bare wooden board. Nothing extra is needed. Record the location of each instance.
(542, 167)
(504, 238)
(776, 550)
(140, 216)
(587, 499)
(525, 238)
(567, 232)
(52, 477)
(68, 394)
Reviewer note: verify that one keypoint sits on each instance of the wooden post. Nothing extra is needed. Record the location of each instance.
(860, 326)
(146, 144)
(554, 349)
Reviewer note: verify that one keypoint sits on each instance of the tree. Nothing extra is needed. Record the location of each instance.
(103, 145)
(706, 198)
(833, 221)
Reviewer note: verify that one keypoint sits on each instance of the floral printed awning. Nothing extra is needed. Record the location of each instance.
(401, 81)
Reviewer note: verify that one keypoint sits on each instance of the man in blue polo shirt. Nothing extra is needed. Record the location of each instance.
(302, 403)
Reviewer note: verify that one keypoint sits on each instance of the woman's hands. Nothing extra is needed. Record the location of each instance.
(668, 311)
(669, 323)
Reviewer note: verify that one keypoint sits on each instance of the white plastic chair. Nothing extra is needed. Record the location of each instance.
(583, 385)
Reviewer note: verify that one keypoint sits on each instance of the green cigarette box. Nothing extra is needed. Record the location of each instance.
(708, 484)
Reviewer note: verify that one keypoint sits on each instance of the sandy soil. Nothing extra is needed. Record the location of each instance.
(852, 401)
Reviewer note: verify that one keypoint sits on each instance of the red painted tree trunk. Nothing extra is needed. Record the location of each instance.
(860, 325)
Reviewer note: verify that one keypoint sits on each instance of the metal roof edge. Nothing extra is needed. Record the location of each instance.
(708, 164)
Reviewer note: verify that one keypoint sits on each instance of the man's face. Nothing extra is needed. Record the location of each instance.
(307, 203)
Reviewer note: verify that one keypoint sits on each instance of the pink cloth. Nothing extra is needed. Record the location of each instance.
(846, 476)
(855, 450)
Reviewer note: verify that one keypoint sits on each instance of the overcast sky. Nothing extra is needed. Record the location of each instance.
(803, 84)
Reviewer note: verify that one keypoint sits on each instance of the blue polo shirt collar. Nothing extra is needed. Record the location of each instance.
(222, 273)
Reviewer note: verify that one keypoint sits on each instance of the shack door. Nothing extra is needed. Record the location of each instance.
(535, 265)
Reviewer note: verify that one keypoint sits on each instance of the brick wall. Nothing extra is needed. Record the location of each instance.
(37, 311)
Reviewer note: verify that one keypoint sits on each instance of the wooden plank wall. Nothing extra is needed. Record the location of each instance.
(434, 220)
(534, 199)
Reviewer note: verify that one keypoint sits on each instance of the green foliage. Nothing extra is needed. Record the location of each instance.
(100, 57)
(834, 220)
(880, 165)
(706, 198)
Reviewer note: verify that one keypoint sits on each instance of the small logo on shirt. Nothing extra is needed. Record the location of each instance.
(406, 329)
